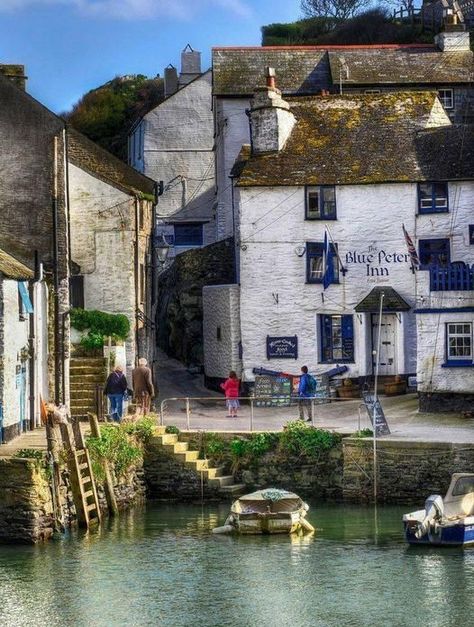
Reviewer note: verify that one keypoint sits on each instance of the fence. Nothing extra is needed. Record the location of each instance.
(454, 276)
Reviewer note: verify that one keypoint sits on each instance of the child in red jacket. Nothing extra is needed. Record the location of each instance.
(231, 388)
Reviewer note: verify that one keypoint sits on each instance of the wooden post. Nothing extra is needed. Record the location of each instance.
(52, 439)
(109, 483)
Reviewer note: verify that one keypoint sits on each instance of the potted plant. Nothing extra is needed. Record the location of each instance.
(348, 389)
(396, 387)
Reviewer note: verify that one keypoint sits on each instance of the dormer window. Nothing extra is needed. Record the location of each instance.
(446, 97)
(432, 197)
(321, 203)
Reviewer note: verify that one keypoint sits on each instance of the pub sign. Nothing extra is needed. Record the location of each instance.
(285, 347)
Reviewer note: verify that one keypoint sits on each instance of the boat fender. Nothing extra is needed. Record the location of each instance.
(307, 526)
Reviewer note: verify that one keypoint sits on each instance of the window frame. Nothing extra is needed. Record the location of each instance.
(432, 208)
(459, 360)
(321, 202)
(345, 336)
(421, 242)
(442, 100)
(319, 252)
(188, 243)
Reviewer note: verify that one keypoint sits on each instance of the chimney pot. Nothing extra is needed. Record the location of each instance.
(271, 80)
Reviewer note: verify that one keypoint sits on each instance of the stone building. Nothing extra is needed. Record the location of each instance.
(23, 344)
(111, 208)
(321, 195)
(33, 207)
(173, 144)
(445, 66)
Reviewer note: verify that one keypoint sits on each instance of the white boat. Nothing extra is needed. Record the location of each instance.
(267, 511)
(448, 521)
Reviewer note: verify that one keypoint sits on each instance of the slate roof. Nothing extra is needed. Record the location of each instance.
(402, 66)
(90, 157)
(308, 69)
(359, 138)
(392, 301)
(11, 268)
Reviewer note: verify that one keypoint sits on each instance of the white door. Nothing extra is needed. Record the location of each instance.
(388, 343)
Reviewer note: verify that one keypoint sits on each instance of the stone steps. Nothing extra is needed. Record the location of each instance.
(86, 373)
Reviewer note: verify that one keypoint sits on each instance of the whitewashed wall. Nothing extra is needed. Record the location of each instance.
(232, 130)
(41, 348)
(16, 333)
(275, 299)
(221, 310)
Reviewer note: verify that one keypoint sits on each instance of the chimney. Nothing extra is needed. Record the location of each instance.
(271, 120)
(171, 80)
(454, 37)
(190, 65)
(15, 73)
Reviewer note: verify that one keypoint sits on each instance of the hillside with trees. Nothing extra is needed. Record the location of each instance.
(106, 114)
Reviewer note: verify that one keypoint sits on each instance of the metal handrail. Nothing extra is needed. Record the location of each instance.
(252, 399)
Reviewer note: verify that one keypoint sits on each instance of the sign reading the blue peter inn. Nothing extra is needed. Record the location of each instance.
(282, 347)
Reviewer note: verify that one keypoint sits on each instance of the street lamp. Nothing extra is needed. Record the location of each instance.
(162, 250)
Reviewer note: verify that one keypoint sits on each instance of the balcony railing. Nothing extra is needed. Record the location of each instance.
(453, 276)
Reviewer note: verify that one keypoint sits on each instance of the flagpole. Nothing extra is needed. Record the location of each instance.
(343, 269)
(377, 362)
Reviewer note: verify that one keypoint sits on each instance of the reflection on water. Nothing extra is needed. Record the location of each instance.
(162, 566)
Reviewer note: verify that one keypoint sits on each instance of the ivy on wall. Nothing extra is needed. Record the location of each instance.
(98, 325)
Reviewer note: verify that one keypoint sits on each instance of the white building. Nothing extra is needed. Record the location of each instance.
(356, 168)
(173, 144)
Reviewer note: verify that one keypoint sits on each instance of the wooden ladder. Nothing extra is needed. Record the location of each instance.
(83, 486)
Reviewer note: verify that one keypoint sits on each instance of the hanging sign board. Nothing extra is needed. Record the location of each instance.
(374, 407)
(282, 347)
(272, 391)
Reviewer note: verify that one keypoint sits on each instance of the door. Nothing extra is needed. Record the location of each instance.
(388, 343)
(21, 387)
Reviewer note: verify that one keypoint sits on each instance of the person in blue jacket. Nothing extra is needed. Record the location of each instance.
(306, 391)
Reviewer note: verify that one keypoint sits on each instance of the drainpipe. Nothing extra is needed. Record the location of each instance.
(57, 339)
(31, 348)
(137, 278)
(236, 268)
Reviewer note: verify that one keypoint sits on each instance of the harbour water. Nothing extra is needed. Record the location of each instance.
(162, 566)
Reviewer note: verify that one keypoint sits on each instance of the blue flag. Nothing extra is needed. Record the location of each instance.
(328, 276)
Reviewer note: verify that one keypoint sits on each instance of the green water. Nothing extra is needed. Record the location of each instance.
(162, 566)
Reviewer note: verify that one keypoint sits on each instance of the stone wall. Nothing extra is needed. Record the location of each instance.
(406, 471)
(25, 502)
(179, 313)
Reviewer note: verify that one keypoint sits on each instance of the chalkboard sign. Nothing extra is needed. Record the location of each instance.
(285, 347)
(381, 425)
(272, 391)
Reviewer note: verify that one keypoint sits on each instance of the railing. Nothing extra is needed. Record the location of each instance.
(454, 276)
(206, 413)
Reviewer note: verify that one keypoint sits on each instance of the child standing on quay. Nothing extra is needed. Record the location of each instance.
(231, 388)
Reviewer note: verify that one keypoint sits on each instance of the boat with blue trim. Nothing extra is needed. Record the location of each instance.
(448, 521)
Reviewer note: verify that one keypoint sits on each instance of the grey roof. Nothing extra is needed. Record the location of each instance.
(308, 69)
(392, 301)
(361, 139)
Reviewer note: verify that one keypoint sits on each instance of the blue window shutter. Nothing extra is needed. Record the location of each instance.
(326, 338)
(347, 324)
(25, 297)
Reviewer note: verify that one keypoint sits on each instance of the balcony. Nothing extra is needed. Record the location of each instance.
(456, 276)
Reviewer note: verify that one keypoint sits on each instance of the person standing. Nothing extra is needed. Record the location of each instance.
(143, 389)
(231, 387)
(306, 391)
(115, 389)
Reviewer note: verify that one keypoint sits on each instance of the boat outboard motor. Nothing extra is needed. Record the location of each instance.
(434, 511)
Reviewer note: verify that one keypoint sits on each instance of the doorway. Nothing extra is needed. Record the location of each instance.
(388, 343)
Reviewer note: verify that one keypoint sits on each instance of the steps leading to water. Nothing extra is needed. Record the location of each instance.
(214, 476)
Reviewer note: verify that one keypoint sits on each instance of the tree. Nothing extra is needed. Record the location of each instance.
(338, 9)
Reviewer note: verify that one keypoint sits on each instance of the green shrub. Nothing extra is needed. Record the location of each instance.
(117, 446)
(30, 453)
(98, 325)
(363, 433)
(172, 429)
(214, 446)
(300, 439)
(143, 429)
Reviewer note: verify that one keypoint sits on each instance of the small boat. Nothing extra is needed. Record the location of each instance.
(267, 511)
(448, 521)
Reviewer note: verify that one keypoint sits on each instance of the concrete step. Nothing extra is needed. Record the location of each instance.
(236, 489)
(165, 438)
(188, 456)
(213, 473)
(88, 361)
(75, 384)
(160, 430)
(197, 464)
(220, 482)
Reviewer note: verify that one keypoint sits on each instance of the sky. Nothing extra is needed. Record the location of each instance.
(71, 46)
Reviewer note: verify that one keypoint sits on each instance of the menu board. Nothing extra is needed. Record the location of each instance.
(374, 407)
(272, 391)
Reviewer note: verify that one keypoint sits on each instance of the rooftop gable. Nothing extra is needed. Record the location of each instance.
(11, 268)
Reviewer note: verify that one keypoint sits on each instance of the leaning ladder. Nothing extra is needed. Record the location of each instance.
(83, 485)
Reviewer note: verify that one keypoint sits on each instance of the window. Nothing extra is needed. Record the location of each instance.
(188, 234)
(471, 234)
(321, 203)
(432, 197)
(315, 263)
(337, 338)
(76, 291)
(463, 486)
(434, 252)
(459, 341)
(446, 97)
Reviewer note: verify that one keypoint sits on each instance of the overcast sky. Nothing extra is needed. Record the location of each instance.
(71, 46)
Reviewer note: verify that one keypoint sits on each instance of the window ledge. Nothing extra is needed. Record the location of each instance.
(459, 363)
(338, 361)
(323, 219)
(320, 282)
(422, 212)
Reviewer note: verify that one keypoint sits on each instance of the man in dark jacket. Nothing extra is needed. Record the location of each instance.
(115, 388)
(143, 389)
(305, 394)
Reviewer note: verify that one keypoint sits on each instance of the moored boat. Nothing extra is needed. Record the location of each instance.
(267, 511)
(448, 521)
